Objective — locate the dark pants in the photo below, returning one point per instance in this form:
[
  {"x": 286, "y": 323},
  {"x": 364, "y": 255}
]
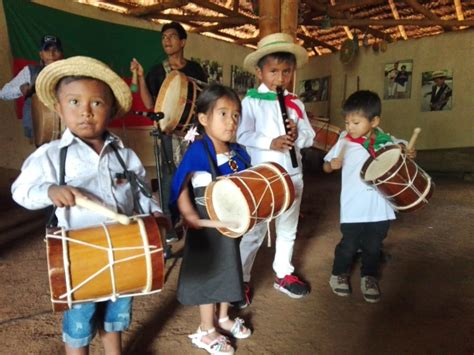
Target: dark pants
[{"x": 366, "y": 236}]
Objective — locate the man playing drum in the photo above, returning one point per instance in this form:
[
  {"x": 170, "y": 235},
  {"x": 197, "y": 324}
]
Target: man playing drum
[
  {"x": 365, "y": 213},
  {"x": 173, "y": 40}
]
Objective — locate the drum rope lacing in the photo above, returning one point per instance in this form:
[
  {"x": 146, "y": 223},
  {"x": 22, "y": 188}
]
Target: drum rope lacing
[
  {"x": 407, "y": 184},
  {"x": 279, "y": 176},
  {"x": 147, "y": 254}
]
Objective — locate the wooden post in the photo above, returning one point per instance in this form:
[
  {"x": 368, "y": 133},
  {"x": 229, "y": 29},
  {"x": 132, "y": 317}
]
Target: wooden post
[
  {"x": 289, "y": 16},
  {"x": 269, "y": 17}
]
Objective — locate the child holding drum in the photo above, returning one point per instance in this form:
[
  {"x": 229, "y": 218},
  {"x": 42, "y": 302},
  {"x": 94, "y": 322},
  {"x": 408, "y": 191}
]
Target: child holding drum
[
  {"x": 262, "y": 131},
  {"x": 86, "y": 94},
  {"x": 365, "y": 213},
  {"x": 211, "y": 272}
]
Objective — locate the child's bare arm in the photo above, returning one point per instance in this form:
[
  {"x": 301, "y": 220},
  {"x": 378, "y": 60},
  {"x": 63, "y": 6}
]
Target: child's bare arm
[
  {"x": 186, "y": 207},
  {"x": 144, "y": 93},
  {"x": 64, "y": 196}
]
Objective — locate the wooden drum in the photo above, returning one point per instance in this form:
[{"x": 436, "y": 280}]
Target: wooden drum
[
  {"x": 250, "y": 196},
  {"x": 326, "y": 134},
  {"x": 46, "y": 123},
  {"x": 104, "y": 262},
  {"x": 176, "y": 99},
  {"x": 406, "y": 186}
]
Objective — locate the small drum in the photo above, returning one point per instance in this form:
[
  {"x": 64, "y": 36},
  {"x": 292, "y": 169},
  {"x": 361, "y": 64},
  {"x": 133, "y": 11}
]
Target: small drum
[
  {"x": 46, "y": 123},
  {"x": 176, "y": 99},
  {"x": 250, "y": 196},
  {"x": 406, "y": 186},
  {"x": 326, "y": 134},
  {"x": 104, "y": 262}
]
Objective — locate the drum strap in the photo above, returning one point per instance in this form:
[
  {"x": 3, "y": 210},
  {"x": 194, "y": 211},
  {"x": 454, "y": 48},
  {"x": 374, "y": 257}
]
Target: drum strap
[
  {"x": 135, "y": 181},
  {"x": 166, "y": 66},
  {"x": 53, "y": 220},
  {"x": 213, "y": 164}
]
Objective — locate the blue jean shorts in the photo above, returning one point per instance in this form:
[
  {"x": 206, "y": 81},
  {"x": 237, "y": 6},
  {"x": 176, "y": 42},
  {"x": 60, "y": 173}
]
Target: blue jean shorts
[{"x": 81, "y": 322}]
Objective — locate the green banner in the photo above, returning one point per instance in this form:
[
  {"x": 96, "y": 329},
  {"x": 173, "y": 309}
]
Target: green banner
[{"x": 113, "y": 44}]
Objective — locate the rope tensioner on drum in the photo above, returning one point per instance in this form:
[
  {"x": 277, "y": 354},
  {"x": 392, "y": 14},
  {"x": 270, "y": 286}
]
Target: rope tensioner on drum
[{"x": 110, "y": 250}]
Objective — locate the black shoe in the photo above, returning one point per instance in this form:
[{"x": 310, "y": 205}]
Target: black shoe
[
  {"x": 245, "y": 302},
  {"x": 171, "y": 237}
]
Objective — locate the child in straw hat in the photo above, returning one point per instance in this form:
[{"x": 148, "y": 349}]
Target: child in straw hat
[
  {"x": 262, "y": 131},
  {"x": 86, "y": 94}
]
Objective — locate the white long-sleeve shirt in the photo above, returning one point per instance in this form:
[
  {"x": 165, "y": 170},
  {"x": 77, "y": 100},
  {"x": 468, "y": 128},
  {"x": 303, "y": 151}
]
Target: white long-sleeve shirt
[
  {"x": 11, "y": 90},
  {"x": 84, "y": 169},
  {"x": 262, "y": 122}
]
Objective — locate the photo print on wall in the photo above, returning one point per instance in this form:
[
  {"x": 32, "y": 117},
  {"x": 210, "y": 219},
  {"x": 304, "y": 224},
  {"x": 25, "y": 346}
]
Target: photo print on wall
[
  {"x": 397, "y": 80},
  {"x": 437, "y": 90},
  {"x": 314, "y": 90},
  {"x": 212, "y": 68},
  {"x": 241, "y": 80}
]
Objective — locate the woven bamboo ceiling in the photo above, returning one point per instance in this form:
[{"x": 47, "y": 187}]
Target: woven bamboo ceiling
[{"x": 323, "y": 25}]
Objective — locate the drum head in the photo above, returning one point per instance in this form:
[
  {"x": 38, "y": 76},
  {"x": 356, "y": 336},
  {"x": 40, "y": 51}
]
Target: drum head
[
  {"x": 385, "y": 160},
  {"x": 229, "y": 205},
  {"x": 171, "y": 100}
]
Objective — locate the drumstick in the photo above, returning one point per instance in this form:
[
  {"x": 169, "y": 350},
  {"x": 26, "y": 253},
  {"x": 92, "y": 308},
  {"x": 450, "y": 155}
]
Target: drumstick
[
  {"x": 413, "y": 138},
  {"x": 134, "y": 84},
  {"x": 94, "y": 206},
  {"x": 209, "y": 223}
]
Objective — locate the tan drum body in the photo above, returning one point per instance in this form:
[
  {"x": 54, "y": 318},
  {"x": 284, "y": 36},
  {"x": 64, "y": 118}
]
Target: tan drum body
[
  {"x": 326, "y": 134},
  {"x": 46, "y": 123},
  {"x": 402, "y": 182},
  {"x": 176, "y": 99},
  {"x": 71, "y": 262},
  {"x": 250, "y": 196}
]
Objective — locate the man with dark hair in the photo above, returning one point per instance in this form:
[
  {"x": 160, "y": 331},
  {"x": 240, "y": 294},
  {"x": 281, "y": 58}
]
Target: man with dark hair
[
  {"x": 23, "y": 84},
  {"x": 173, "y": 39}
]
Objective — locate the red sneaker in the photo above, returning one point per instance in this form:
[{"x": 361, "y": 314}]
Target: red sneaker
[{"x": 292, "y": 286}]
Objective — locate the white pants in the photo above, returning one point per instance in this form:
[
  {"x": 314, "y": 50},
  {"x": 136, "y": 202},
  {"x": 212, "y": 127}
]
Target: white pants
[{"x": 285, "y": 227}]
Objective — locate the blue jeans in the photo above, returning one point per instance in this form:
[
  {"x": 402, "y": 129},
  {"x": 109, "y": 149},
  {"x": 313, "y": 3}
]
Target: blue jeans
[
  {"x": 366, "y": 236},
  {"x": 81, "y": 322}
]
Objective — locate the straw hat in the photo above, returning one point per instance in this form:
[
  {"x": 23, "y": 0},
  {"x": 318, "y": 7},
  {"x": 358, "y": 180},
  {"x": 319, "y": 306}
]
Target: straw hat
[
  {"x": 49, "y": 77},
  {"x": 438, "y": 74},
  {"x": 276, "y": 42}
]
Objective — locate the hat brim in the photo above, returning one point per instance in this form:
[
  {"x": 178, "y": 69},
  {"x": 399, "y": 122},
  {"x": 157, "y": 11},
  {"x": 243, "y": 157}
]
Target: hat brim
[
  {"x": 251, "y": 60},
  {"x": 49, "y": 77}
]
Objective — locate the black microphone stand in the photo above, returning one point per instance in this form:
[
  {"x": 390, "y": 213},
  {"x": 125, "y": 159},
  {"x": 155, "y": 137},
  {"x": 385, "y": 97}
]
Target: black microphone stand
[{"x": 157, "y": 136}]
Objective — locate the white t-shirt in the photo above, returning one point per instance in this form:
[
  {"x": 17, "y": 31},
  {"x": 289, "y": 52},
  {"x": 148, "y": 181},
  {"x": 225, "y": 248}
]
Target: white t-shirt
[{"x": 359, "y": 201}]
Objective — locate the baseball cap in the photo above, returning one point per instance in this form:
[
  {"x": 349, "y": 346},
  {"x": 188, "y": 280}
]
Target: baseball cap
[{"x": 49, "y": 41}]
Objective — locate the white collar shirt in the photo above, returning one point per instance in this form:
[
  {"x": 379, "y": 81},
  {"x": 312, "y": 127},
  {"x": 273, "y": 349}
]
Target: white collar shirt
[
  {"x": 262, "y": 122},
  {"x": 94, "y": 174}
]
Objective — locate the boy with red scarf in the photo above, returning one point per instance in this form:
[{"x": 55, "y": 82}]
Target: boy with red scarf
[{"x": 365, "y": 214}]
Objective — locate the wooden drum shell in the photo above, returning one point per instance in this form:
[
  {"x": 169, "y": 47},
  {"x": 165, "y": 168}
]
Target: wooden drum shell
[
  {"x": 405, "y": 185},
  {"x": 267, "y": 190},
  {"x": 84, "y": 261}
]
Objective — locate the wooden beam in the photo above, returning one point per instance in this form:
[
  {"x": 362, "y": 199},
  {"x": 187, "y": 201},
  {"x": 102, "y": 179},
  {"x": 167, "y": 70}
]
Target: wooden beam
[
  {"x": 210, "y": 28},
  {"x": 391, "y": 23},
  {"x": 162, "y": 5},
  {"x": 311, "y": 42},
  {"x": 424, "y": 11},
  {"x": 333, "y": 13},
  {"x": 347, "y": 5},
  {"x": 214, "y": 7},
  {"x": 234, "y": 21},
  {"x": 289, "y": 17},
  {"x": 459, "y": 13},
  {"x": 269, "y": 17},
  {"x": 395, "y": 14}
]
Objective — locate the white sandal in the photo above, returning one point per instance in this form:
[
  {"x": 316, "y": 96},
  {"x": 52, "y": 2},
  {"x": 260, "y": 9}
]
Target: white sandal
[
  {"x": 215, "y": 346},
  {"x": 237, "y": 330}
]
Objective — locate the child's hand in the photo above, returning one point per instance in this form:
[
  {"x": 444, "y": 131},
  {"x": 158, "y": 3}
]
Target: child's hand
[
  {"x": 411, "y": 153},
  {"x": 64, "y": 196},
  {"x": 135, "y": 65},
  {"x": 26, "y": 89},
  {"x": 336, "y": 163},
  {"x": 282, "y": 143},
  {"x": 292, "y": 129}
]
